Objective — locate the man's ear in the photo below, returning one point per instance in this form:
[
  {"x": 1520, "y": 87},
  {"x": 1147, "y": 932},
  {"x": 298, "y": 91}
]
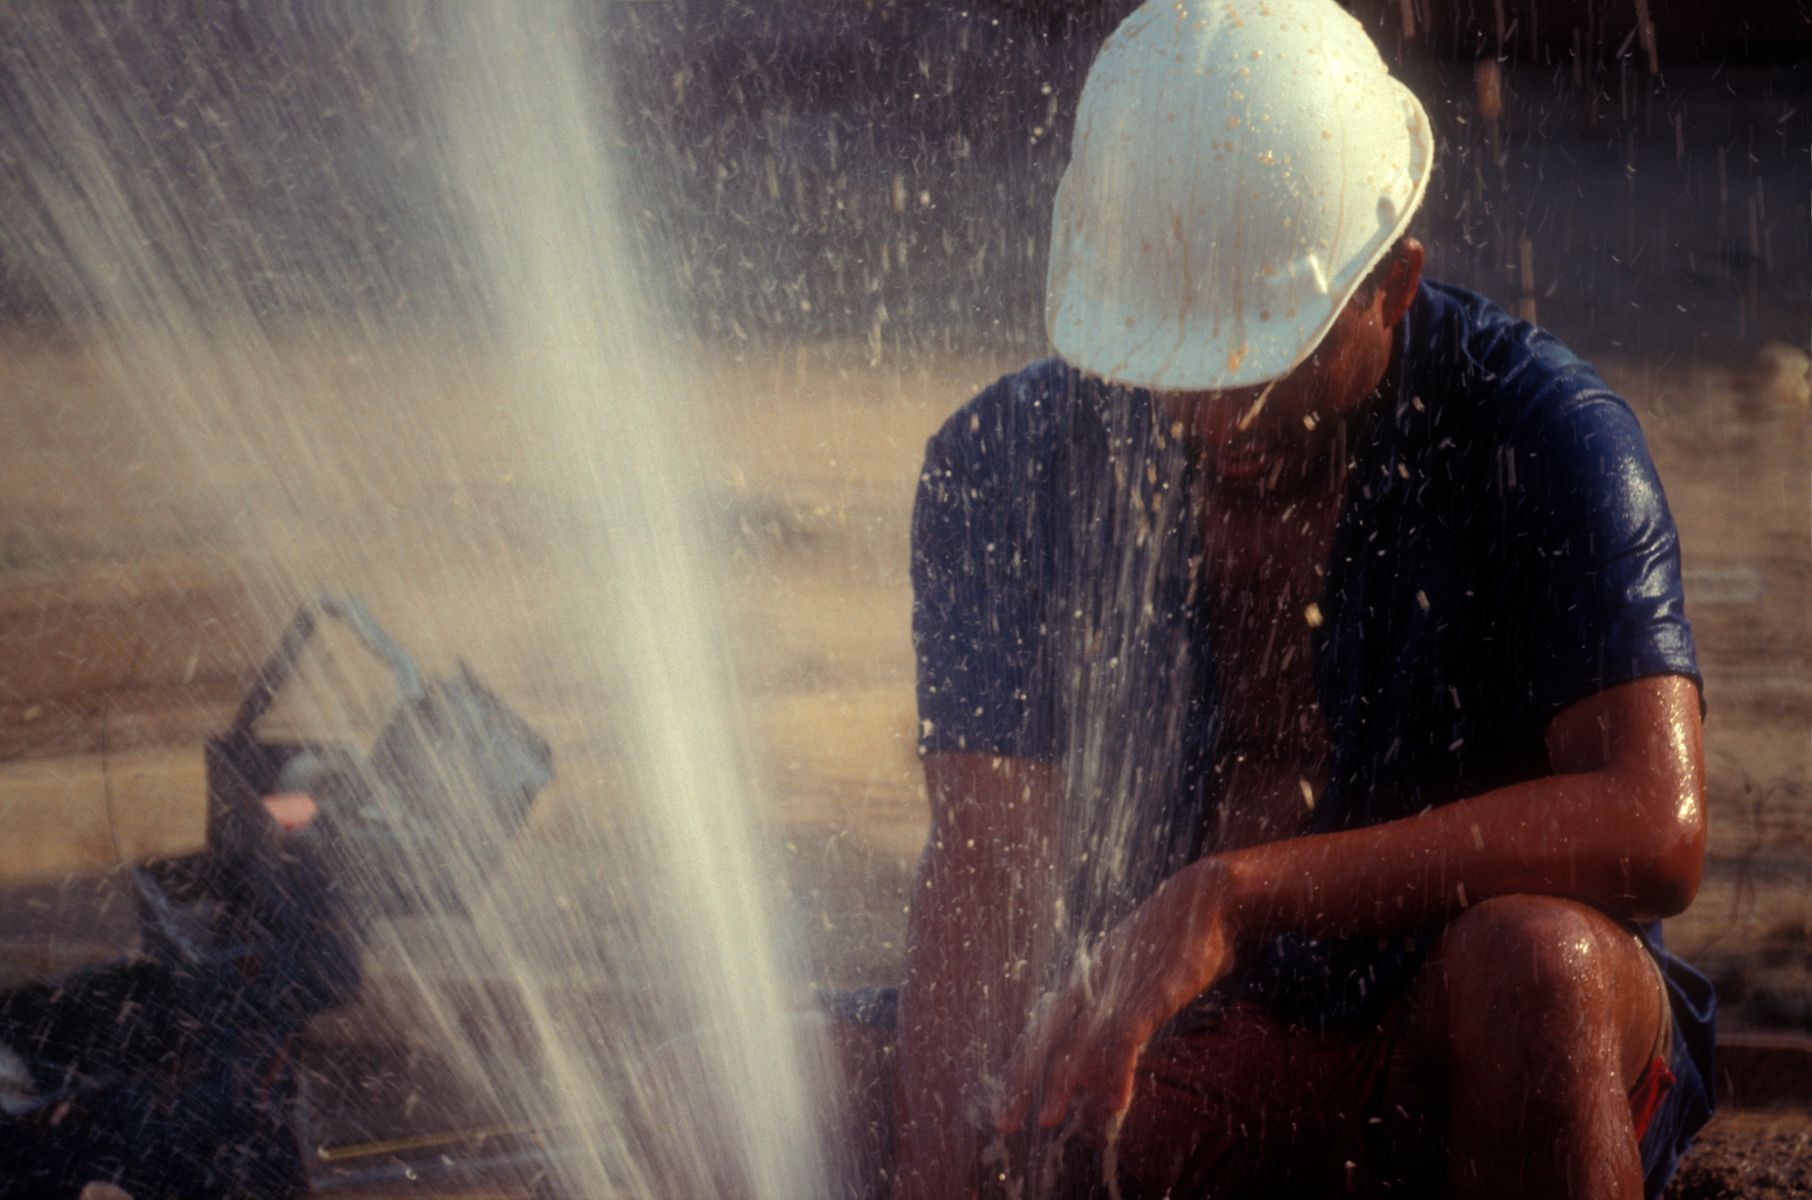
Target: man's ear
[{"x": 1400, "y": 283}]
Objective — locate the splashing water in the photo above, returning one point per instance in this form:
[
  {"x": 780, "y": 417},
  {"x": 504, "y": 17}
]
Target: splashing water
[{"x": 529, "y": 475}]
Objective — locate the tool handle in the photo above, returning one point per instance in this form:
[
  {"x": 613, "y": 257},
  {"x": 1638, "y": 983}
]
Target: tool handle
[{"x": 349, "y": 611}]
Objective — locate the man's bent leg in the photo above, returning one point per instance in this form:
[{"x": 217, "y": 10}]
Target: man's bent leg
[
  {"x": 1542, "y": 1015},
  {"x": 1249, "y": 1105}
]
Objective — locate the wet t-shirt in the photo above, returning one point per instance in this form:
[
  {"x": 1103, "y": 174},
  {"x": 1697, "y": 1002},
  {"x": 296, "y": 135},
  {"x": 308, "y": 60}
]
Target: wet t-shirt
[{"x": 1503, "y": 550}]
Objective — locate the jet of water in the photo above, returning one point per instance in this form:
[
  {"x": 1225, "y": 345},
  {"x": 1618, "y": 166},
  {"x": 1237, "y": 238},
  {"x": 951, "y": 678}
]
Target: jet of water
[{"x": 186, "y": 198}]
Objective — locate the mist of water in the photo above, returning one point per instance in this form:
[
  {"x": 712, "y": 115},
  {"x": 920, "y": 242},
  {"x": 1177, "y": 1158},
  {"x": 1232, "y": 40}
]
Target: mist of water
[{"x": 528, "y": 473}]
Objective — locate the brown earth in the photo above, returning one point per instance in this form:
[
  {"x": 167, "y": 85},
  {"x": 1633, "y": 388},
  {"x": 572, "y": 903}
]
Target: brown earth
[{"x": 1748, "y": 1156}]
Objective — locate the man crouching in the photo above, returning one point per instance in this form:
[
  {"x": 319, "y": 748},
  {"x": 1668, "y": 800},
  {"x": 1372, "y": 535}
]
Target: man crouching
[{"x": 1306, "y": 688}]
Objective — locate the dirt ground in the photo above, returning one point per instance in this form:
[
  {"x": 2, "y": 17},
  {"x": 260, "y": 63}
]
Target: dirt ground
[
  {"x": 135, "y": 600},
  {"x": 1739, "y": 1156},
  {"x": 1748, "y": 1155}
]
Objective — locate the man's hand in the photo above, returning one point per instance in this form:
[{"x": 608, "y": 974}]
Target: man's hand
[{"x": 1080, "y": 1052}]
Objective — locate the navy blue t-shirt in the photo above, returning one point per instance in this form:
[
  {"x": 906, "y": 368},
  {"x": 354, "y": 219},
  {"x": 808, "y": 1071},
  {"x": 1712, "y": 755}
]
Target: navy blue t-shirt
[{"x": 1503, "y": 550}]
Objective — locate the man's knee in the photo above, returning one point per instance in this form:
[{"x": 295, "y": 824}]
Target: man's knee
[{"x": 1516, "y": 964}]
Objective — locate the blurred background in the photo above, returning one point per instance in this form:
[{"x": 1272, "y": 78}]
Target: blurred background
[{"x": 842, "y": 209}]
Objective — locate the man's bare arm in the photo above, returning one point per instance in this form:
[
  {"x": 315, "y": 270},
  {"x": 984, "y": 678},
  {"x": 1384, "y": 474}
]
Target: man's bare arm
[
  {"x": 980, "y": 904},
  {"x": 1620, "y": 825}
]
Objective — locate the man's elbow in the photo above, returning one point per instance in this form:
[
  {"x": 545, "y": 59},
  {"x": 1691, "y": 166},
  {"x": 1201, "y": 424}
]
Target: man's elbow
[{"x": 1675, "y": 858}]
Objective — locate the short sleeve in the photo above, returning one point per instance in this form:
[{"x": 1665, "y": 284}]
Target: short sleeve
[
  {"x": 1594, "y": 556},
  {"x": 977, "y": 591}
]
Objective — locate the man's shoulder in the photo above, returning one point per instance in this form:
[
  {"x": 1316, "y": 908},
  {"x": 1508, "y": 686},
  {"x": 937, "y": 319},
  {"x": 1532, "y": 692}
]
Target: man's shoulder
[
  {"x": 1016, "y": 414},
  {"x": 1509, "y": 372}
]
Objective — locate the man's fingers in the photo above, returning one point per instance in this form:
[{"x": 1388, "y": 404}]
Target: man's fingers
[
  {"x": 1120, "y": 1093},
  {"x": 1067, "y": 1064},
  {"x": 1018, "y": 1098},
  {"x": 1059, "y": 1085},
  {"x": 1025, "y": 1070},
  {"x": 1064, "y": 1054},
  {"x": 1106, "y": 1092}
]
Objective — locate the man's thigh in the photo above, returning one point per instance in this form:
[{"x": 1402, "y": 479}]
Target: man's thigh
[{"x": 1248, "y": 1105}]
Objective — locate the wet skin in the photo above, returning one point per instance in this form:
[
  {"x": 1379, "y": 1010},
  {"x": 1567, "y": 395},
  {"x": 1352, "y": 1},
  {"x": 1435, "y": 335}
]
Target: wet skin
[{"x": 1535, "y": 1003}]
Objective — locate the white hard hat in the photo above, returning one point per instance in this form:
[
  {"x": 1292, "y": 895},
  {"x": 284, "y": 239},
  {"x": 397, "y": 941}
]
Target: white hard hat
[{"x": 1238, "y": 168}]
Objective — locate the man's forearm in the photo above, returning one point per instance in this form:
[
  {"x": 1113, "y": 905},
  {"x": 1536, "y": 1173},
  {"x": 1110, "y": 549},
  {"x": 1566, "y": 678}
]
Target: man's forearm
[
  {"x": 1620, "y": 826},
  {"x": 947, "y": 1039},
  {"x": 966, "y": 994},
  {"x": 1588, "y": 837},
  {"x": 980, "y": 906}
]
